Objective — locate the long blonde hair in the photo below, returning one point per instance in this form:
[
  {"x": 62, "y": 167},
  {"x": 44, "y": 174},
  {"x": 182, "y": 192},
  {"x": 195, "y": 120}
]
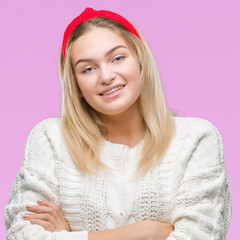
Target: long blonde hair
[{"x": 83, "y": 130}]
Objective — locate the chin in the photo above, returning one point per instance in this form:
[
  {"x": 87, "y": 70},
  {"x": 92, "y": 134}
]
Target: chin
[{"x": 112, "y": 112}]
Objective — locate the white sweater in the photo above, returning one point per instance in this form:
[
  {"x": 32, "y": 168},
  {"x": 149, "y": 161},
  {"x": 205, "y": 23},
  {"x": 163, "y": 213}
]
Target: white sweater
[{"x": 189, "y": 187}]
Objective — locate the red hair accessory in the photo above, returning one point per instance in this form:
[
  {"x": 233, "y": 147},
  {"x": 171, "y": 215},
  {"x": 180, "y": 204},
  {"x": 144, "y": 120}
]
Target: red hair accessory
[{"x": 89, "y": 13}]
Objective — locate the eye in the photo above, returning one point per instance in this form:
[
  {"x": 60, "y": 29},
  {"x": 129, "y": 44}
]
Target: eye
[
  {"x": 118, "y": 59},
  {"x": 88, "y": 70}
]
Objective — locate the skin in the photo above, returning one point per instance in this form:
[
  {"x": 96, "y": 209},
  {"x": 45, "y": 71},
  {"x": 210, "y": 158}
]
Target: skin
[
  {"x": 99, "y": 68},
  {"x": 47, "y": 215},
  {"x": 52, "y": 219}
]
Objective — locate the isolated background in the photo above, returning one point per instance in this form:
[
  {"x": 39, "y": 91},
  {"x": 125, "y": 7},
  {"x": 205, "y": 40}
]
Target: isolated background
[{"x": 196, "y": 45}]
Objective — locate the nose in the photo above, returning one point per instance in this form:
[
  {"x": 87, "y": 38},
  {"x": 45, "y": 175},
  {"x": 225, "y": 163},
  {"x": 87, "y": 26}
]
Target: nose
[{"x": 106, "y": 75}]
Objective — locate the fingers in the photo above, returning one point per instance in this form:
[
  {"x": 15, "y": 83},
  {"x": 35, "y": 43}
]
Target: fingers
[
  {"x": 45, "y": 224},
  {"x": 47, "y": 203},
  {"x": 47, "y": 215},
  {"x": 38, "y": 209},
  {"x": 46, "y": 220},
  {"x": 41, "y": 210},
  {"x": 44, "y": 217},
  {"x": 47, "y": 206}
]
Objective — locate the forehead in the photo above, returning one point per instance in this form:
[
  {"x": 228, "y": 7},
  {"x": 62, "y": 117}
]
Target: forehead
[{"x": 96, "y": 41}]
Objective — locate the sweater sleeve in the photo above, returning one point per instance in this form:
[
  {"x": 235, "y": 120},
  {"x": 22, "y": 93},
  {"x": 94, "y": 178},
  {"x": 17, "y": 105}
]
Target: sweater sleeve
[
  {"x": 37, "y": 179},
  {"x": 203, "y": 204}
]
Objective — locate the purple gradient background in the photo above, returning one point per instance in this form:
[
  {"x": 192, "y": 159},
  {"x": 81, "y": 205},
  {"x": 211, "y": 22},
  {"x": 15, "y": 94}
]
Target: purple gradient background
[{"x": 196, "y": 45}]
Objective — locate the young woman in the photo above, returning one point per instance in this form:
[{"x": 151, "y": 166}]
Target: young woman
[{"x": 117, "y": 164}]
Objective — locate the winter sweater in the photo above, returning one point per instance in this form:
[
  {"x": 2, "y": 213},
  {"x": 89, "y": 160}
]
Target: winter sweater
[{"x": 188, "y": 188}]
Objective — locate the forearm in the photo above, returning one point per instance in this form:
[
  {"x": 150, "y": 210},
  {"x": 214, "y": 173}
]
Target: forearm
[
  {"x": 144, "y": 230},
  {"x": 128, "y": 232}
]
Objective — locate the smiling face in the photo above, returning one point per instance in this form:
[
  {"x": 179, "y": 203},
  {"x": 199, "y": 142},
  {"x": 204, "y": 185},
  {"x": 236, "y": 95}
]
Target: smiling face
[{"x": 107, "y": 72}]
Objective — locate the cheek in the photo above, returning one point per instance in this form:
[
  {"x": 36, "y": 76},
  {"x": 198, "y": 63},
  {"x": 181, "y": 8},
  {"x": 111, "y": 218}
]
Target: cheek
[
  {"x": 85, "y": 92},
  {"x": 88, "y": 91},
  {"x": 134, "y": 75},
  {"x": 84, "y": 85},
  {"x": 133, "y": 69}
]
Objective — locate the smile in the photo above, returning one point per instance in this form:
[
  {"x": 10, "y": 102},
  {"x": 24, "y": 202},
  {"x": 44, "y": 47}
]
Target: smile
[{"x": 113, "y": 90}]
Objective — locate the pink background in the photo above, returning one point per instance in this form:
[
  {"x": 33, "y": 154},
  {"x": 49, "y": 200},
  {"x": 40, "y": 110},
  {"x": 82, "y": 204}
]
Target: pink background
[{"x": 196, "y": 45}]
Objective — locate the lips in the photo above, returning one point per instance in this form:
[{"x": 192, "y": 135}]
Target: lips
[{"x": 111, "y": 90}]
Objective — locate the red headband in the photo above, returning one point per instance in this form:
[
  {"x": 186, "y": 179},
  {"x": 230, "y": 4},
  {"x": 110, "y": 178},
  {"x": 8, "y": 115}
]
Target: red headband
[{"x": 91, "y": 13}]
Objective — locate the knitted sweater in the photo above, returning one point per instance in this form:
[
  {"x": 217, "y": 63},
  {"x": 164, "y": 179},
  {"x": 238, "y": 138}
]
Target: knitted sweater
[{"x": 188, "y": 188}]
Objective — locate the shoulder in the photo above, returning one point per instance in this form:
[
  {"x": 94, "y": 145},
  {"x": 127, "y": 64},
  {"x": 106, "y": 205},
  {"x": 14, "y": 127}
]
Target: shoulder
[
  {"x": 195, "y": 127},
  {"x": 203, "y": 137},
  {"x": 44, "y": 138},
  {"x": 49, "y": 124},
  {"x": 49, "y": 128}
]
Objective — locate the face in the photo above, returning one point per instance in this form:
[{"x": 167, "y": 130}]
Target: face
[{"x": 106, "y": 71}]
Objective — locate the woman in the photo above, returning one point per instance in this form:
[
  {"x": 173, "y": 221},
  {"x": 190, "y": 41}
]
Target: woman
[{"x": 117, "y": 164}]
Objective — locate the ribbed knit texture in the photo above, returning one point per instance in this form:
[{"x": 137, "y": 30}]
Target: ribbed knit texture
[{"x": 189, "y": 187}]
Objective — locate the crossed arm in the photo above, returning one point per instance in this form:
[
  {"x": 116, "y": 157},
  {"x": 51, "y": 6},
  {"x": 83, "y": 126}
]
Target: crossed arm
[
  {"x": 42, "y": 220},
  {"x": 50, "y": 217},
  {"x": 202, "y": 211}
]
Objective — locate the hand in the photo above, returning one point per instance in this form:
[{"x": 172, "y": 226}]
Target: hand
[
  {"x": 155, "y": 230},
  {"x": 48, "y": 216}
]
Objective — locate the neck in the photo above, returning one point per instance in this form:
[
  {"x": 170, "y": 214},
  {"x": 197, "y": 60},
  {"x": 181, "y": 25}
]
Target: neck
[{"x": 127, "y": 128}]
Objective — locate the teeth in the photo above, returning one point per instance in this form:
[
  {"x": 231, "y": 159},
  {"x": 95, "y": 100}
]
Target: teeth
[{"x": 112, "y": 90}]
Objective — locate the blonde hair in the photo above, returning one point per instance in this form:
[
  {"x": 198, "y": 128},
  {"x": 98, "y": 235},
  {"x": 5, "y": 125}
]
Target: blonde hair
[{"x": 83, "y": 130}]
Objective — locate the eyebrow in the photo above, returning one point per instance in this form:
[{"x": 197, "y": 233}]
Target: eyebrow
[{"x": 105, "y": 55}]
